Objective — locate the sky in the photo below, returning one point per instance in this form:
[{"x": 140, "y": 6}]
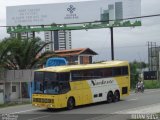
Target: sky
[{"x": 129, "y": 43}]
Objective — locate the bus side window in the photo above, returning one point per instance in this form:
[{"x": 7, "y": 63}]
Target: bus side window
[
  {"x": 77, "y": 75},
  {"x": 88, "y": 74},
  {"x": 117, "y": 71},
  {"x": 107, "y": 72},
  {"x": 125, "y": 70},
  {"x": 63, "y": 76},
  {"x": 97, "y": 73}
]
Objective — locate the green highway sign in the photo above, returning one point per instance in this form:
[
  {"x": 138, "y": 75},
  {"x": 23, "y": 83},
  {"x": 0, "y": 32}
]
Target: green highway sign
[{"x": 54, "y": 27}]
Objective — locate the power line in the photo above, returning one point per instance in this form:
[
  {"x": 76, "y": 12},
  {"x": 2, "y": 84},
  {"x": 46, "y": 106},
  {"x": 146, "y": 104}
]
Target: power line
[
  {"x": 136, "y": 46},
  {"x": 131, "y": 46},
  {"x": 130, "y": 18}
]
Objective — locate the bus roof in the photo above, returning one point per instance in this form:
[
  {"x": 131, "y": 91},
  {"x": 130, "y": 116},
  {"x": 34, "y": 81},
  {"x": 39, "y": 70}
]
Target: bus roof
[{"x": 69, "y": 68}]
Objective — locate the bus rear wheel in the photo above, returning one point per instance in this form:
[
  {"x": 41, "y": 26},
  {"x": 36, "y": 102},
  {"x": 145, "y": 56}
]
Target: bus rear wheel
[
  {"x": 109, "y": 97},
  {"x": 116, "y": 96},
  {"x": 70, "y": 103}
]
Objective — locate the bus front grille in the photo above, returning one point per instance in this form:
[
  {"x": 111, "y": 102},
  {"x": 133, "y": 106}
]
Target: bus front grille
[{"x": 43, "y": 100}]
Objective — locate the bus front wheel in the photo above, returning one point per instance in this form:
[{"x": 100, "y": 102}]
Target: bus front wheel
[{"x": 70, "y": 103}]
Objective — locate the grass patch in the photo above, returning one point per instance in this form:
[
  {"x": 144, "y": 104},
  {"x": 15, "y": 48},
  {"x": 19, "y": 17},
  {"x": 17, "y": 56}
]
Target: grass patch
[{"x": 151, "y": 84}]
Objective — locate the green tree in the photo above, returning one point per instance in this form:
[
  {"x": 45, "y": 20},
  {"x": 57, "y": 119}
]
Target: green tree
[
  {"x": 16, "y": 53},
  {"x": 139, "y": 65},
  {"x": 134, "y": 74},
  {"x": 134, "y": 66}
]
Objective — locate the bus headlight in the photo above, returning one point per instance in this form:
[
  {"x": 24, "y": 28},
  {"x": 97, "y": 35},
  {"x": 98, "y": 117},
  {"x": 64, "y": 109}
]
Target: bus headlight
[
  {"x": 35, "y": 104},
  {"x": 50, "y": 105}
]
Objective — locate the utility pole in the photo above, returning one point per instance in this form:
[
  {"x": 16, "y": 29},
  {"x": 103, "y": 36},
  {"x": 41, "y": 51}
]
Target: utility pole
[
  {"x": 157, "y": 60},
  {"x": 148, "y": 57},
  {"x": 151, "y": 57}
]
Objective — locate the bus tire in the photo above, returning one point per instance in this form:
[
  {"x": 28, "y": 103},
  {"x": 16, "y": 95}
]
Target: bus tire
[
  {"x": 109, "y": 97},
  {"x": 116, "y": 96},
  {"x": 70, "y": 103},
  {"x": 51, "y": 109}
]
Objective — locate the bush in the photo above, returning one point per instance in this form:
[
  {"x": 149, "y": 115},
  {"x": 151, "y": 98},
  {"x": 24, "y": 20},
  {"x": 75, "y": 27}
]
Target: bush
[{"x": 151, "y": 84}]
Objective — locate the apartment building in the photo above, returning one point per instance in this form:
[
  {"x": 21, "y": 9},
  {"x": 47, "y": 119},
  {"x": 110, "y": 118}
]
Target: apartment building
[
  {"x": 23, "y": 35},
  {"x": 61, "y": 40}
]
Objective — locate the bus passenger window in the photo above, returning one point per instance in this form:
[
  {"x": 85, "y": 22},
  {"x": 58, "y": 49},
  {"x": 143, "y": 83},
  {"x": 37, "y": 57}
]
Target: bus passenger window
[
  {"x": 117, "y": 71},
  {"x": 63, "y": 76},
  {"x": 107, "y": 72},
  {"x": 77, "y": 75},
  {"x": 125, "y": 70}
]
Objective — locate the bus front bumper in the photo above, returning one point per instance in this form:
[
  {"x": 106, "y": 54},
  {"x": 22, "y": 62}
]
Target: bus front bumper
[
  {"x": 43, "y": 101},
  {"x": 43, "y": 105}
]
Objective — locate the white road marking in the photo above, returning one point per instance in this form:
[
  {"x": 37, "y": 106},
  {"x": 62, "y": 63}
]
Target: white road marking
[
  {"x": 132, "y": 99},
  {"x": 39, "y": 117},
  {"x": 26, "y": 111},
  {"x": 146, "y": 107}
]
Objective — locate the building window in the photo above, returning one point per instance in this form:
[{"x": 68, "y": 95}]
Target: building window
[{"x": 13, "y": 88}]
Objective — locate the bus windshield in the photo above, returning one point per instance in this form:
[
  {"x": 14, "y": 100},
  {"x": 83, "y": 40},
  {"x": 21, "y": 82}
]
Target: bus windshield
[{"x": 51, "y": 83}]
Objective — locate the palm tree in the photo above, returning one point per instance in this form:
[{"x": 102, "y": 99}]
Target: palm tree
[{"x": 16, "y": 53}]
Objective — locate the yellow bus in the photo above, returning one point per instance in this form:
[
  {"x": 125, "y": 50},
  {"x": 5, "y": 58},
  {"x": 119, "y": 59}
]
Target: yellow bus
[{"x": 73, "y": 85}]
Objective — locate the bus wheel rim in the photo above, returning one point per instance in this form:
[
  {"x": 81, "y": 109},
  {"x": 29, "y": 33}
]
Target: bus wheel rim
[
  {"x": 116, "y": 97},
  {"x": 70, "y": 104},
  {"x": 109, "y": 98}
]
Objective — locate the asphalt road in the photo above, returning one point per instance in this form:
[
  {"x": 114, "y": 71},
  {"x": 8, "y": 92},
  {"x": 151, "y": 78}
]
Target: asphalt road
[{"x": 99, "y": 111}]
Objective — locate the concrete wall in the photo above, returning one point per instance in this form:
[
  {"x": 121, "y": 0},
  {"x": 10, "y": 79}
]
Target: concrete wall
[
  {"x": 16, "y": 94},
  {"x": 9, "y": 94},
  {"x": 17, "y": 75},
  {"x": 7, "y": 91},
  {"x": 1, "y": 86},
  {"x": 11, "y": 78},
  {"x": 1, "y": 98}
]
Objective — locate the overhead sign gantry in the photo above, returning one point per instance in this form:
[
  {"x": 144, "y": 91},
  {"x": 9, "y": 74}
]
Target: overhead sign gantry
[{"x": 74, "y": 16}]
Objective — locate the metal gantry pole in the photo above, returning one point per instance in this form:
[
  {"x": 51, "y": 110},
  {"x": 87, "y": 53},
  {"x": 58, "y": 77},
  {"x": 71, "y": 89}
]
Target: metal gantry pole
[
  {"x": 52, "y": 41},
  {"x": 33, "y": 34},
  {"x": 112, "y": 43}
]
